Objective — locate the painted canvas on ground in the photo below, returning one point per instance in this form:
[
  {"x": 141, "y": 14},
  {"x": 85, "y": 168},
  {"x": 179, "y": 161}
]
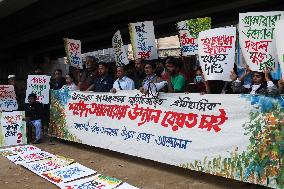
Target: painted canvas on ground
[
  {"x": 256, "y": 36},
  {"x": 39, "y": 85},
  {"x": 38, "y": 167},
  {"x": 142, "y": 38},
  {"x": 96, "y": 182},
  {"x": 35, "y": 156},
  {"x": 217, "y": 53},
  {"x": 68, "y": 173},
  {"x": 13, "y": 128},
  {"x": 188, "y": 34},
  {"x": 8, "y": 100},
  {"x": 126, "y": 186},
  {"x": 234, "y": 136}
]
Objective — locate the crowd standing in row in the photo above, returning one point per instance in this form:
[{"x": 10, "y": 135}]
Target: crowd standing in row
[{"x": 177, "y": 75}]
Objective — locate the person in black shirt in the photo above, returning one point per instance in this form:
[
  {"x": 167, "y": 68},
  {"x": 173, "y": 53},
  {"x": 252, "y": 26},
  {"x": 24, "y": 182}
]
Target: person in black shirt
[
  {"x": 104, "y": 82},
  {"x": 58, "y": 80},
  {"x": 34, "y": 115}
]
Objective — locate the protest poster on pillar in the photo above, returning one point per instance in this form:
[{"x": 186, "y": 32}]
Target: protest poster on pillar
[
  {"x": 256, "y": 36},
  {"x": 188, "y": 34},
  {"x": 120, "y": 54},
  {"x": 73, "y": 52},
  {"x": 178, "y": 129},
  {"x": 143, "y": 40},
  {"x": 39, "y": 85},
  {"x": 217, "y": 53},
  {"x": 13, "y": 128},
  {"x": 279, "y": 38},
  {"x": 8, "y": 100}
]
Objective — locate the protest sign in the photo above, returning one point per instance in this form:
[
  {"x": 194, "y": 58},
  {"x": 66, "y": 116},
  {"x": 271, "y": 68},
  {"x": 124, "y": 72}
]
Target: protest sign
[
  {"x": 188, "y": 34},
  {"x": 73, "y": 52},
  {"x": 39, "y": 85},
  {"x": 217, "y": 53},
  {"x": 143, "y": 40},
  {"x": 8, "y": 100},
  {"x": 279, "y": 38},
  {"x": 256, "y": 36},
  {"x": 121, "y": 57}
]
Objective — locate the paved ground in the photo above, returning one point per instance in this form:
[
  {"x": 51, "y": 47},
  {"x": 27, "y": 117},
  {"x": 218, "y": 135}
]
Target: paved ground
[{"x": 144, "y": 174}]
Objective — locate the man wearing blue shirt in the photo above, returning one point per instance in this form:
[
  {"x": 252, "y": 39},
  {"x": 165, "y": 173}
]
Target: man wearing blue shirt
[{"x": 104, "y": 82}]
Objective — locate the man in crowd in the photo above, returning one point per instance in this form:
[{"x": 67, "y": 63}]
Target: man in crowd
[
  {"x": 104, "y": 81},
  {"x": 88, "y": 77},
  {"x": 34, "y": 115},
  {"x": 58, "y": 81},
  {"x": 20, "y": 91},
  {"x": 176, "y": 82},
  {"x": 139, "y": 73},
  {"x": 123, "y": 82}
]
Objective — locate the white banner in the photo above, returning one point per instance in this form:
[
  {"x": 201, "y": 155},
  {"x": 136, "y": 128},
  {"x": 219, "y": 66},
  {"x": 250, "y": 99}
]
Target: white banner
[
  {"x": 143, "y": 40},
  {"x": 279, "y": 38},
  {"x": 73, "y": 52},
  {"x": 121, "y": 57},
  {"x": 256, "y": 36},
  {"x": 39, "y": 85},
  {"x": 217, "y": 53},
  {"x": 12, "y": 128}
]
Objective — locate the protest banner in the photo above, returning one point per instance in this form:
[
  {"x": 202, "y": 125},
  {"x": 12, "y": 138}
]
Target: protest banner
[
  {"x": 178, "y": 129},
  {"x": 126, "y": 186},
  {"x": 39, "y": 85},
  {"x": 120, "y": 54},
  {"x": 143, "y": 40},
  {"x": 73, "y": 52},
  {"x": 256, "y": 35},
  {"x": 188, "y": 34},
  {"x": 279, "y": 37},
  {"x": 8, "y": 100},
  {"x": 12, "y": 128},
  {"x": 68, "y": 173},
  {"x": 217, "y": 53},
  {"x": 96, "y": 182}
]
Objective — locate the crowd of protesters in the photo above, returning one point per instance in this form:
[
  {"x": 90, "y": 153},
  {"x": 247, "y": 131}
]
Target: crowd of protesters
[{"x": 172, "y": 75}]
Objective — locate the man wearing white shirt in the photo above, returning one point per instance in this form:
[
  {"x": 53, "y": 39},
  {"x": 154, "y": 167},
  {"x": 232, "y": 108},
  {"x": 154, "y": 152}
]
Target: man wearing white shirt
[{"x": 123, "y": 82}]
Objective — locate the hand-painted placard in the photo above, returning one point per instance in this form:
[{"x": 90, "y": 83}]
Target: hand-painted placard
[
  {"x": 96, "y": 182},
  {"x": 256, "y": 35},
  {"x": 120, "y": 54},
  {"x": 8, "y": 100},
  {"x": 35, "y": 156},
  {"x": 178, "y": 129},
  {"x": 279, "y": 38},
  {"x": 188, "y": 34},
  {"x": 38, "y": 84},
  {"x": 13, "y": 128},
  {"x": 38, "y": 167},
  {"x": 143, "y": 40},
  {"x": 217, "y": 52},
  {"x": 68, "y": 173},
  {"x": 126, "y": 186},
  {"x": 73, "y": 52}
]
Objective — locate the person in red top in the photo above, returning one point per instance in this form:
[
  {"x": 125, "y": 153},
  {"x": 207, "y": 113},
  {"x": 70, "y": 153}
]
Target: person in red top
[
  {"x": 88, "y": 77},
  {"x": 199, "y": 85}
]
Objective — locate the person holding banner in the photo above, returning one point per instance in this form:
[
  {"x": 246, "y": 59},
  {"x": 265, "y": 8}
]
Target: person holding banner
[
  {"x": 88, "y": 77},
  {"x": 261, "y": 83},
  {"x": 139, "y": 73},
  {"x": 200, "y": 85},
  {"x": 34, "y": 115},
  {"x": 176, "y": 83},
  {"x": 123, "y": 82},
  {"x": 104, "y": 82},
  {"x": 58, "y": 81},
  {"x": 151, "y": 77}
]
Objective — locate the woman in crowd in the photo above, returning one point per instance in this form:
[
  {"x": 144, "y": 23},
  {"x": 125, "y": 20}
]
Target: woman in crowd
[
  {"x": 70, "y": 85},
  {"x": 199, "y": 85}
]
